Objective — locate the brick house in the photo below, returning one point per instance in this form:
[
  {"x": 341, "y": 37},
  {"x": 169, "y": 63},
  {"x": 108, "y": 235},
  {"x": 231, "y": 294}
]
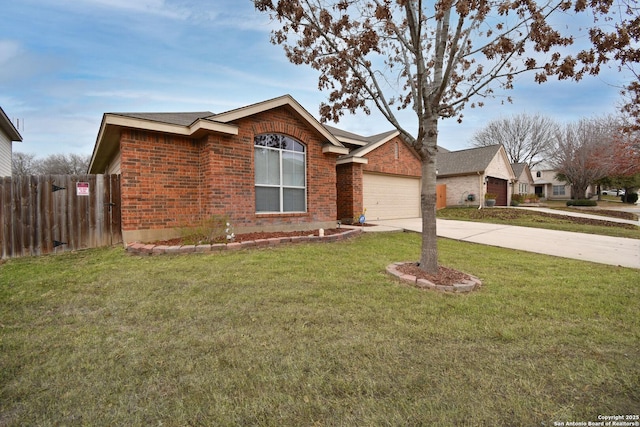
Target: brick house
[
  {"x": 548, "y": 186},
  {"x": 268, "y": 166},
  {"x": 470, "y": 174},
  {"x": 272, "y": 166},
  {"x": 381, "y": 174},
  {"x": 524, "y": 179}
]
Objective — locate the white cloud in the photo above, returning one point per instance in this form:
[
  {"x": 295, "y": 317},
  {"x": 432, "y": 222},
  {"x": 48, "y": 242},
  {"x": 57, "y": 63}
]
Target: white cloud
[
  {"x": 9, "y": 49},
  {"x": 151, "y": 7}
]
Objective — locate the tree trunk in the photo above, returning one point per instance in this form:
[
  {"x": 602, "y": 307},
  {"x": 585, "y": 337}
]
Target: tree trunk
[
  {"x": 429, "y": 253},
  {"x": 579, "y": 191}
]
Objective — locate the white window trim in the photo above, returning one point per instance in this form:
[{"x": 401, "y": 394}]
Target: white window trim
[{"x": 281, "y": 186}]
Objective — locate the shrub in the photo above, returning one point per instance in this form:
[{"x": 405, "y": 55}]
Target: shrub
[
  {"x": 490, "y": 196},
  {"x": 581, "y": 202},
  {"x": 629, "y": 198},
  {"x": 517, "y": 198},
  {"x": 215, "y": 229}
]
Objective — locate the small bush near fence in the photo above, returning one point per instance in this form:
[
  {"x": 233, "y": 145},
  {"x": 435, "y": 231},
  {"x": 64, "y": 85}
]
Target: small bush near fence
[{"x": 582, "y": 202}]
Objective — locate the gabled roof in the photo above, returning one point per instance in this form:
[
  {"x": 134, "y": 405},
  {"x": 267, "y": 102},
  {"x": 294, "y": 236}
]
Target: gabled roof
[
  {"x": 194, "y": 124},
  {"x": 463, "y": 162},
  {"x": 355, "y": 139},
  {"x": 376, "y": 141},
  {"x": 8, "y": 128},
  {"x": 180, "y": 119},
  {"x": 287, "y": 100},
  {"x": 518, "y": 168}
]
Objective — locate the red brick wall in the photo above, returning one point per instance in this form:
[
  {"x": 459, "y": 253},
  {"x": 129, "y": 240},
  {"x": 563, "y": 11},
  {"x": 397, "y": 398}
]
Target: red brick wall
[
  {"x": 170, "y": 181},
  {"x": 160, "y": 180},
  {"x": 383, "y": 159},
  {"x": 349, "y": 178}
]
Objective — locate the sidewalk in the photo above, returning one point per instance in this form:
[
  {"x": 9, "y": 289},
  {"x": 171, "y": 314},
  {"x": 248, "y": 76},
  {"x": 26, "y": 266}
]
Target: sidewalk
[{"x": 586, "y": 247}]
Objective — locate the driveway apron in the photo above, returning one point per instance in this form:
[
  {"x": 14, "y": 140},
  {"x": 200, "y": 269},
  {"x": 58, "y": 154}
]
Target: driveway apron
[{"x": 586, "y": 247}]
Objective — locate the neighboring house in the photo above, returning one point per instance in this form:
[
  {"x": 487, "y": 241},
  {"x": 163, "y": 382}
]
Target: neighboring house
[
  {"x": 524, "y": 183},
  {"x": 267, "y": 166},
  {"x": 380, "y": 177},
  {"x": 470, "y": 174},
  {"x": 8, "y": 134},
  {"x": 549, "y": 187}
]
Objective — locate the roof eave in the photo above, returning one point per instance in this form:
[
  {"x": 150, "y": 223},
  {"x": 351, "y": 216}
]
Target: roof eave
[
  {"x": 332, "y": 149},
  {"x": 456, "y": 174},
  {"x": 202, "y": 125},
  {"x": 8, "y": 127},
  {"x": 349, "y": 160},
  {"x": 352, "y": 141}
]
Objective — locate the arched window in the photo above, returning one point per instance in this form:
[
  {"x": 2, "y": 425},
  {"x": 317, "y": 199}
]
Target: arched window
[{"x": 280, "y": 174}]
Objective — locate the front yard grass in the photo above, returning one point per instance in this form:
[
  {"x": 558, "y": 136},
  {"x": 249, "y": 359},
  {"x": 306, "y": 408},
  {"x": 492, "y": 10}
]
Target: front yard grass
[
  {"x": 527, "y": 218},
  {"x": 315, "y": 334}
]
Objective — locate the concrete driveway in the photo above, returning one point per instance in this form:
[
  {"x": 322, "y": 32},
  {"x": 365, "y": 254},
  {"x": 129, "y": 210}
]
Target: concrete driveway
[{"x": 586, "y": 247}]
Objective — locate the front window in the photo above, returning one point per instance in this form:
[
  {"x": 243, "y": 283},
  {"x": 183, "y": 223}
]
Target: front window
[
  {"x": 558, "y": 190},
  {"x": 280, "y": 171}
]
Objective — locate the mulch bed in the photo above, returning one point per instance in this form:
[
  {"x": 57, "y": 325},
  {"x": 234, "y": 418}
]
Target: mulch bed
[
  {"x": 446, "y": 276},
  {"x": 245, "y": 237}
]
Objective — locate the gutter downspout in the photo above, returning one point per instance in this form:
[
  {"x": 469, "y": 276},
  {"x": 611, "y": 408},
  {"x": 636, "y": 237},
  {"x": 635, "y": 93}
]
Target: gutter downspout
[{"x": 482, "y": 192}]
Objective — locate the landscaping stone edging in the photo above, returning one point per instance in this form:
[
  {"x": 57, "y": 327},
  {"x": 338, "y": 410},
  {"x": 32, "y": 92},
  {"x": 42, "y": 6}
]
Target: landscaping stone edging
[
  {"x": 137, "y": 248},
  {"x": 464, "y": 287}
]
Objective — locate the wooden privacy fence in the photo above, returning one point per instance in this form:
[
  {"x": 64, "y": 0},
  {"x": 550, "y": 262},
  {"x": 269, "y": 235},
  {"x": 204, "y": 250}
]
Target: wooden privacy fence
[{"x": 56, "y": 213}]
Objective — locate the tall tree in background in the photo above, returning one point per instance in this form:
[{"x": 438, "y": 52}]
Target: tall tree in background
[
  {"x": 433, "y": 57},
  {"x": 625, "y": 153},
  {"x": 24, "y": 164},
  {"x": 583, "y": 153},
  {"x": 53, "y": 164},
  {"x": 526, "y": 138},
  {"x": 64, "y": 164}
]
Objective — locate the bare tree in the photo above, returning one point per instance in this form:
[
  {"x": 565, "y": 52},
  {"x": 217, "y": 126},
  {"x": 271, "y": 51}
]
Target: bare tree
[
  {"x": 625, "y": 153},
  {"x": 526, "y": 138},
  {"x": 23, "y": 164},
  {"x": 64, "y": 164},
  {"x": 584, "y": 153},
  {"x": 433, "y": 57},
  {"x": 53, "y": 164}
]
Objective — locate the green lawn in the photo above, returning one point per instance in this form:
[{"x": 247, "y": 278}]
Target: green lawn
[
  {"x": 315, "y": 334},
  {"x": 527, "y": 218}
]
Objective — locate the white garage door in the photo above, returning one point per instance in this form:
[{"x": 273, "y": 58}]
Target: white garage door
[{"x": 390, "y": 197}]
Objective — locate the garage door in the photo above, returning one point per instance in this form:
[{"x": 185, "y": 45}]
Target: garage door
[
  {"x": 390, "y": 197},
  {"x": 499, "y": 187}
]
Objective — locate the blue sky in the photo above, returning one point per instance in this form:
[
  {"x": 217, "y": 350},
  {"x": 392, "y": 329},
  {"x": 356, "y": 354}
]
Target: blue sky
[{"x": 63, "y": 63}]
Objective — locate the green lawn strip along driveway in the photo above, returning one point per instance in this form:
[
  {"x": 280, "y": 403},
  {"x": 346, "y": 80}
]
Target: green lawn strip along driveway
[{"x": 526, "y": 218}]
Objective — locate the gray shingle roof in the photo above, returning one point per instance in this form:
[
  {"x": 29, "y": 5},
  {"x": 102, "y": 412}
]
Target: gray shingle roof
[
  {"x": 467, "y": 161},
  {"x": 182, "y": 119},
  {"x": 518, "y": 168},
  {"x": 339, "y": 133}
]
